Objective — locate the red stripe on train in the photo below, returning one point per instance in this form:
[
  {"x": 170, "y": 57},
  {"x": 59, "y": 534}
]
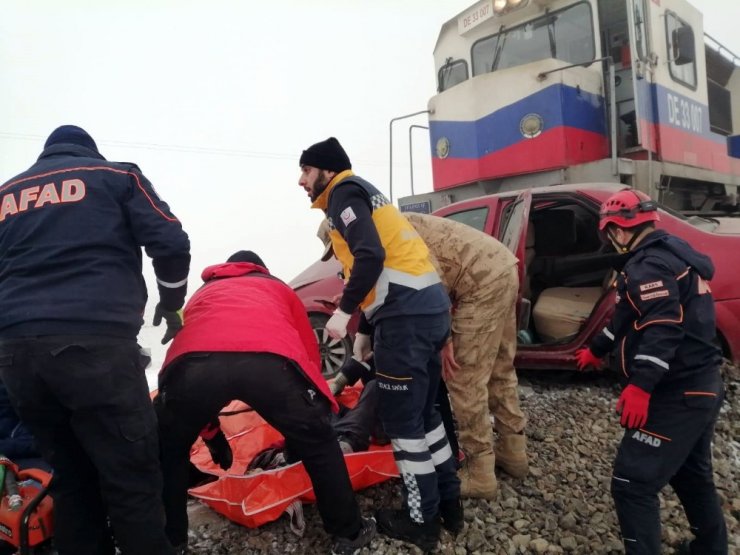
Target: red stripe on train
[
  {"x": 555, "y": 148},
  {"x": 684, "y": 147}
]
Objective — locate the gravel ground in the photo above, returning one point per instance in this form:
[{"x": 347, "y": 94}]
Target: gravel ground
[{"x": 563, "y": 506}]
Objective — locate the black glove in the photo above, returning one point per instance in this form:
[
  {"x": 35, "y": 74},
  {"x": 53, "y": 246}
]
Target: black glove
[
  {"x": 267, "y": 459},
  {"x": 173, "y": 318},
  {"x": 349, "y": 374},
  {"x": 354, "y": 369},
  {"x": 220, "y": 450}
]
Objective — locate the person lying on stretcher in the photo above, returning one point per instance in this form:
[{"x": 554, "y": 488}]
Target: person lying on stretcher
[{"x": 356, "y": 427}]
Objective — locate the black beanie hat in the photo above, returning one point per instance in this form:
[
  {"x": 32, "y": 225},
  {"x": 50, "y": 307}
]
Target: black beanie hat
[
  {"x": 326, "y": 155},
  {"x": 71, "y": 134},
  {"x": 246, "y": 256}
]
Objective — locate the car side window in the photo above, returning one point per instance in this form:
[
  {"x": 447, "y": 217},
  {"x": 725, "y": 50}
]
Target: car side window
[{"x": 475, "y": 218}]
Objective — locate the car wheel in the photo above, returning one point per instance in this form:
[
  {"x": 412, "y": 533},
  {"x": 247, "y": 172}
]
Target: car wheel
[{"x": 334, "y": 352}]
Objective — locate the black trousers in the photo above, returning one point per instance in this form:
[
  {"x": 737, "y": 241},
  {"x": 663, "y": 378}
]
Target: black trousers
[
  {"x": 674, "y": 447},
  {"x": 86, "y": 401},
  {"x": 408, "y": 371},
  {"x": 198, "y": 386},
  {"x": 442, "y": 404},
  {"x": 356, "y": 425}
]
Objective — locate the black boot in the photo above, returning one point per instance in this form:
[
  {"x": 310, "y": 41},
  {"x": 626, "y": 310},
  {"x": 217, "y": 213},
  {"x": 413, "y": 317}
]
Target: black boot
[
  {"x": 453, "y": 515},
  {"x": 350, "y": 546},
  {"x": 398, "y": 524}
]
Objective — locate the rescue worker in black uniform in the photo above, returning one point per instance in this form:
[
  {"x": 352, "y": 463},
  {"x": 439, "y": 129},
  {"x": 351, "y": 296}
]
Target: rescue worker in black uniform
[
  {"x": 72, "y": 297},
  {"x": 391, "y": 278},
  {"x": 663, "y": 337}
]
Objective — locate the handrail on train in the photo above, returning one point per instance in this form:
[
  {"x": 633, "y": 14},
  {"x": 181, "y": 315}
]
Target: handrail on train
[{"x": 720, "y": 48}]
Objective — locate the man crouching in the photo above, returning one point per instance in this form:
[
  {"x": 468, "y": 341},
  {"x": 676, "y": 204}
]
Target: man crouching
[{"x": 246, "y": 336}]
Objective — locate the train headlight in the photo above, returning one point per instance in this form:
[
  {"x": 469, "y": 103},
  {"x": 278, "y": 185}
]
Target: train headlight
[
  {"x": 503, "y": 6},
  {"x": 531, "y": 125}
]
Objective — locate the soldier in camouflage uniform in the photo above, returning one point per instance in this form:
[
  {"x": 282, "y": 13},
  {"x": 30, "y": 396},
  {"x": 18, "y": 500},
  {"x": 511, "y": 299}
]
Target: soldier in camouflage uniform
[{"x": 481, "y": 277}]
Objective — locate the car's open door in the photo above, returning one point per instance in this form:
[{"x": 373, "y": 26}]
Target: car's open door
[{"x": 513, "y": 234}]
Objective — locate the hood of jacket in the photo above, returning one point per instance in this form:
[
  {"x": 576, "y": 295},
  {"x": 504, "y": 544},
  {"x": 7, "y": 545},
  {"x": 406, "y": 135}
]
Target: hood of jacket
[
  {"x": 681, "y": 249},
  {"x": 231, "y": 269},
  {"x": 69, "y": 149}
]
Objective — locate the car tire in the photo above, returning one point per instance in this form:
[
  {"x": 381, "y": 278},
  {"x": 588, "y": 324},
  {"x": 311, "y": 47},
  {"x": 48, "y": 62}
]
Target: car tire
[{"x": 334, "y": 352}]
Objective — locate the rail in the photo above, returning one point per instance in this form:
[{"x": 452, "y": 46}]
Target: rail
[
  {"x": 390, "y": 133},
  {"x": 411, "y": 153}
]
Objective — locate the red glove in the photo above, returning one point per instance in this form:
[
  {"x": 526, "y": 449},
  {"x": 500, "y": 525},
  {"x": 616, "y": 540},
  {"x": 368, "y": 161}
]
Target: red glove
[
  {"x": 584, "y": 358},
  {"x": 633, "y": 406}
]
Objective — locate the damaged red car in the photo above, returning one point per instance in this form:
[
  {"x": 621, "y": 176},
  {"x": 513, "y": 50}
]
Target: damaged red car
[{"x": 565, "y": 294}]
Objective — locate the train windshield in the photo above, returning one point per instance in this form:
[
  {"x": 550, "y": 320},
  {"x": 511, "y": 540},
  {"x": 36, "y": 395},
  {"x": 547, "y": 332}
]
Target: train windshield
[{"x": 565, "y": 34}]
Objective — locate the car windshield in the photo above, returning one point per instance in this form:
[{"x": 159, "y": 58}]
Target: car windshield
[{"x": 703, "y": 223}]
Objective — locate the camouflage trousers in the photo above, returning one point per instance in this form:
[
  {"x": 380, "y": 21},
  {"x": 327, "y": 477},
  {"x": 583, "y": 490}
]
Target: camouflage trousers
[{"x": 484, "y": 340}]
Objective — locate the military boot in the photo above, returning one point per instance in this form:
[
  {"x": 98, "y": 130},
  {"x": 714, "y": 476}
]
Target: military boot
[
  {"x": 511, "y": 454},
  {"x": 477, "y": 478}
]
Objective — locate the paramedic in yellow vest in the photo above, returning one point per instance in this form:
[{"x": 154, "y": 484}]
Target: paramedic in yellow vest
[
  {"x": 481, "y": 277},
  {"x": 391, "y": 278}
]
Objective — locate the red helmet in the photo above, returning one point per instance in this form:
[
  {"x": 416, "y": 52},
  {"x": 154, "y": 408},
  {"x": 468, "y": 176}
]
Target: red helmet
[{"x": 628, "y": 208}]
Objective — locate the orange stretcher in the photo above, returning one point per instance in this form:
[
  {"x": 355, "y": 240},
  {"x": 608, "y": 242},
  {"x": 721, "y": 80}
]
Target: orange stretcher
[{"x": 258, "y": 498}]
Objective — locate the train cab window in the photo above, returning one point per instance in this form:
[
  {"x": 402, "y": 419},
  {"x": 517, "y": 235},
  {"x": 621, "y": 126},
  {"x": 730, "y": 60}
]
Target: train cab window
[
  {"x": 681, "y": 50},
  {"x": 451, "y": 74},
  {"x": 565, "y": 34},
  {"x": 475, "y": 218},
  {"x": 640, "y": 31}
]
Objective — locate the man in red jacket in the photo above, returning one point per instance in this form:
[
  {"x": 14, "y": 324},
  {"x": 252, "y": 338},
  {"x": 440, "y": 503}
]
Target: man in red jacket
[{"x": 246, "y": 336}]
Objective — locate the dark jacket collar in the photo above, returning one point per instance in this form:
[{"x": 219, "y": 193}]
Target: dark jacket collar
[
  {"x": 679, "y": 248},
  {"x": 70, "y": 149}
]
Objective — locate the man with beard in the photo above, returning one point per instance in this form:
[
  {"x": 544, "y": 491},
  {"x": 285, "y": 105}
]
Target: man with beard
[{"x": 391, "y": 279}]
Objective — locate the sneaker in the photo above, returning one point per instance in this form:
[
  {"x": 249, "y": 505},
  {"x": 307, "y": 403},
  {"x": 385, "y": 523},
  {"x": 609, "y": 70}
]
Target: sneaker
[
  {"x": 346, "y": 546},
  {"x": 397, "y": 524},
  {"x": 453, "y": 515}
]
